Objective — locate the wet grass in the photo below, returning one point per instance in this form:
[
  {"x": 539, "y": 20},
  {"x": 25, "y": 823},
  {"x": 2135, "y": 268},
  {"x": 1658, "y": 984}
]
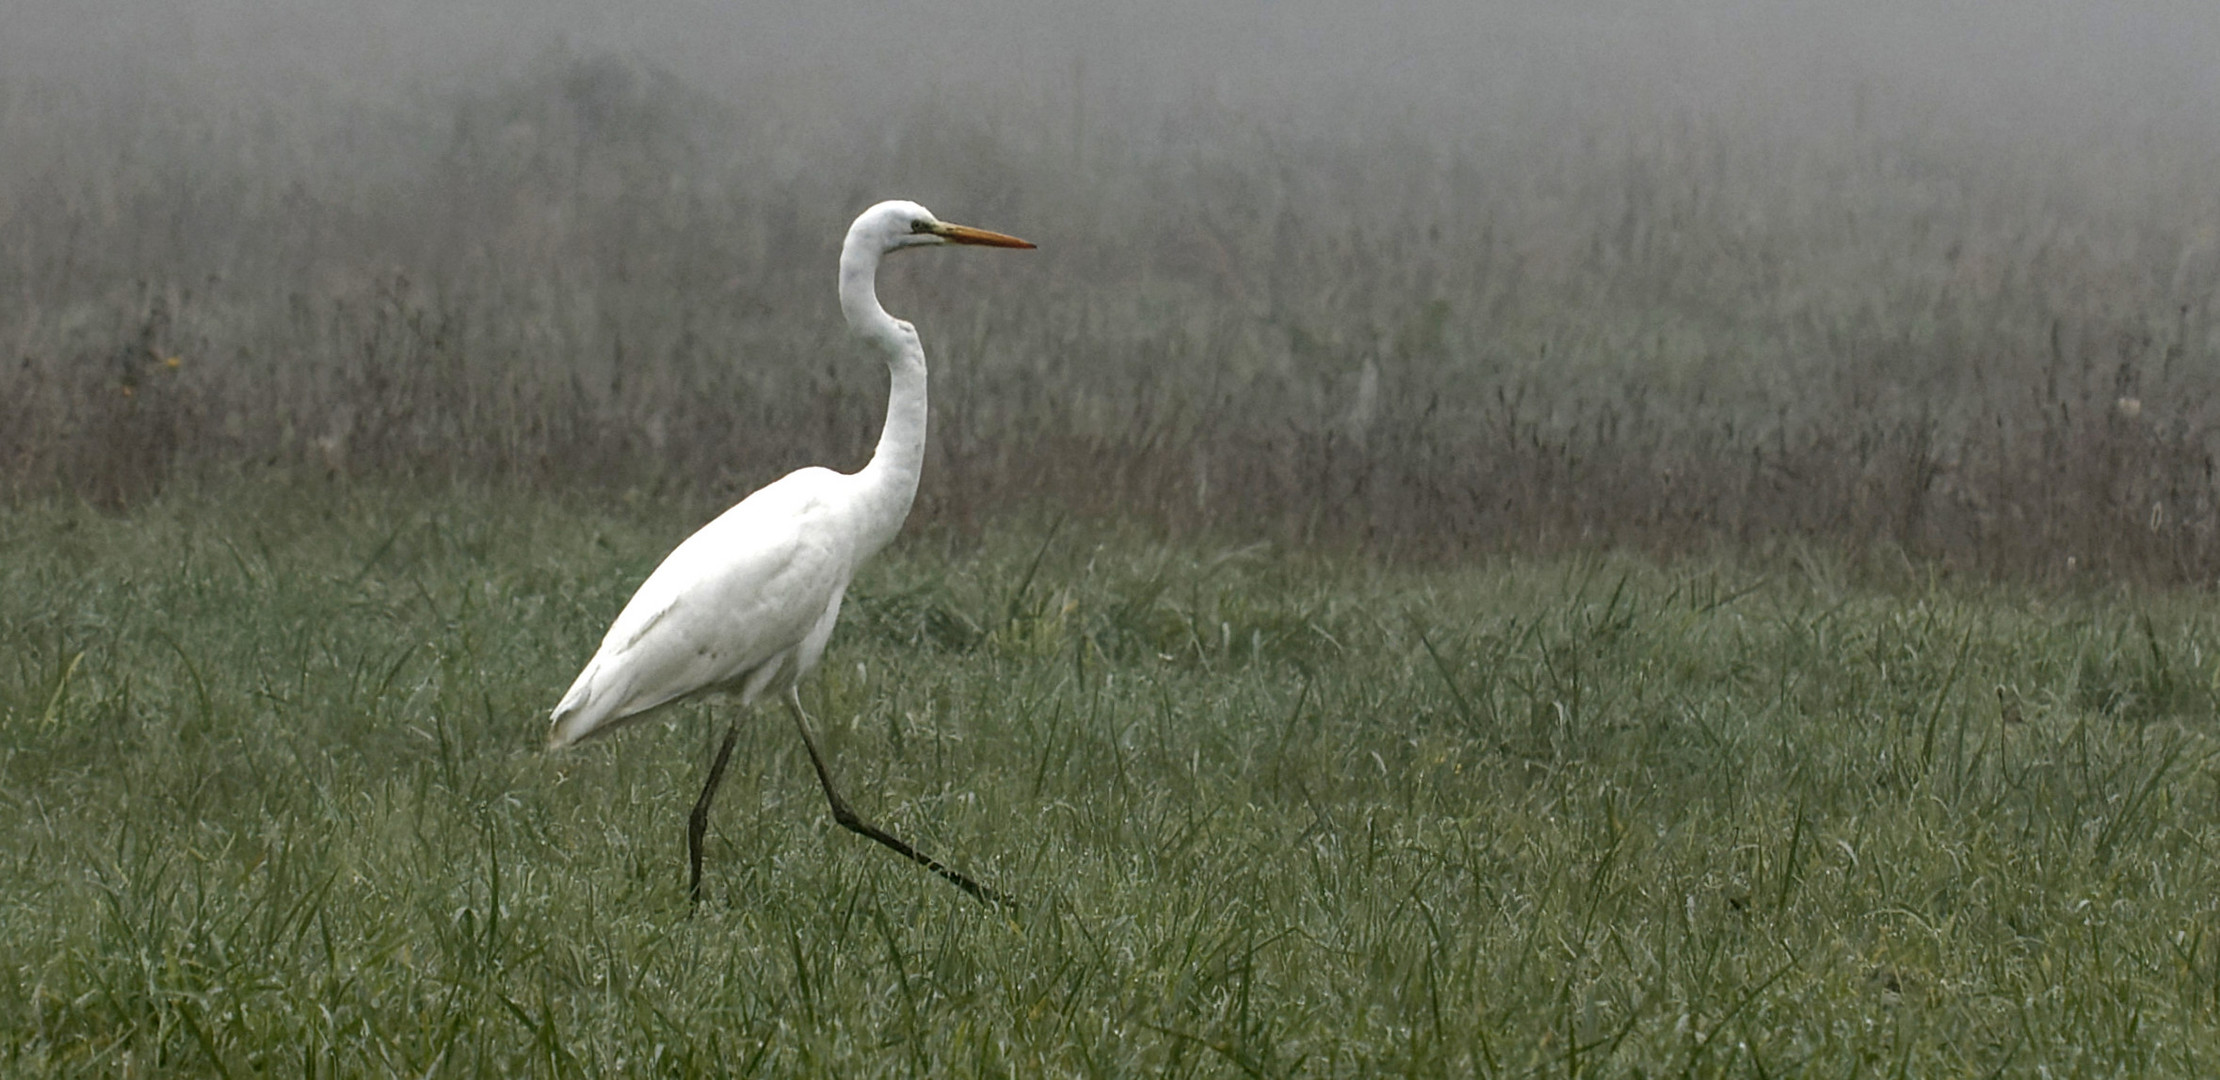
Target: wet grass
[{"x": 274, "y": 803}]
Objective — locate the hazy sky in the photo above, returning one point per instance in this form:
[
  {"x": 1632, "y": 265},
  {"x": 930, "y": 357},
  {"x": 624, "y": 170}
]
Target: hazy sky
[{"x": 2029, "y": 69}]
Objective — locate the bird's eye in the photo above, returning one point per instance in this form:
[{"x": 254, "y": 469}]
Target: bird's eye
[{"x": 919, "y": 225}]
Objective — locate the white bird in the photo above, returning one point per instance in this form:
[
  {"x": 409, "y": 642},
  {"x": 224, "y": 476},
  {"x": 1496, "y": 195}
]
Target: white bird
[{"x": 746, "y": 604}]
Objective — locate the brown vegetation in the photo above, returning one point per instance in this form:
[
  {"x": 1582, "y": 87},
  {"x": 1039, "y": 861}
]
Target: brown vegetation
[{"x": 1659, "y": 334}]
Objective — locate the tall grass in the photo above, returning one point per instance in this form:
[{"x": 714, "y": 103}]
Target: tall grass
[
  {"x": 274, "y": 803},
  {"x": 1664, "y": 332}
]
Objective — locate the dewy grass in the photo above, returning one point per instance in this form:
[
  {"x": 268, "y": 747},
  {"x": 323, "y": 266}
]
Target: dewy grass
[{"x": 274, "y": 803}]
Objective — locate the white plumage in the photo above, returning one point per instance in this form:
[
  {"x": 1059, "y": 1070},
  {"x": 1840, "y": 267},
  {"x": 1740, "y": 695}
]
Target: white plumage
[
  {"x": 746, "y": 604},
  {"x": 748, "y": 599}
]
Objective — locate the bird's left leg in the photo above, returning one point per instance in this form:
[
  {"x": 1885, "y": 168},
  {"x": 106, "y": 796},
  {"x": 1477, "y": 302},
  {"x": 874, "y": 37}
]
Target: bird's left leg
[
  {"x": 854, "y": 822},
  {"x": 698, "y": 823}
]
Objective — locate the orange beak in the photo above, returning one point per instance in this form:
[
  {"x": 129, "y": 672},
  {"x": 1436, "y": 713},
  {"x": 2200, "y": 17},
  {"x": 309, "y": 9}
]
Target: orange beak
[{"x": 965, "y": 234}]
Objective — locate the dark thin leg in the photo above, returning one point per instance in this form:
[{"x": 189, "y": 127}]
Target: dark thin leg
[
  {"x": 854, "y": 823},
  {"x": 699, "y": 822}
]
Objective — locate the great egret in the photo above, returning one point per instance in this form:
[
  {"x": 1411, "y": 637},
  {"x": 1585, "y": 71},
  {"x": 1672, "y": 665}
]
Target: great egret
[{"x": 746, "y": 604}]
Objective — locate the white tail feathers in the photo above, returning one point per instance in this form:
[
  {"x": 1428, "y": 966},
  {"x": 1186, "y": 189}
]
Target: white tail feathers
[{"x": 576, "y": 717}]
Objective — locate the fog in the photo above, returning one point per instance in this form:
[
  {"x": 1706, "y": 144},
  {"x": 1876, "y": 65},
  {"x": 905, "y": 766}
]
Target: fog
[
  {"x": 1587, "y": 260},
  {"x": 2058, "y": 70},
  {"x": 2056, "y": 93}
]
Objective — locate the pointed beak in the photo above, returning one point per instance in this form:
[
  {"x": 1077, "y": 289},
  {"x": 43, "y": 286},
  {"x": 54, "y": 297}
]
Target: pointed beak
[{"x": 965, "y": 234}]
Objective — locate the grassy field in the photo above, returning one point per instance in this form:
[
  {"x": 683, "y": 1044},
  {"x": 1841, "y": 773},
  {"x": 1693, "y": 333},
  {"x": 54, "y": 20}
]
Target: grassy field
[
  {"x": 274, "y": 803},
  {"x": 1657, "y": 541}
]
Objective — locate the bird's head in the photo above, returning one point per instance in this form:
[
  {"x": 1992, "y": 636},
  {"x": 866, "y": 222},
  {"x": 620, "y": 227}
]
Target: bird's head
[{"x": 898, "y": 224}]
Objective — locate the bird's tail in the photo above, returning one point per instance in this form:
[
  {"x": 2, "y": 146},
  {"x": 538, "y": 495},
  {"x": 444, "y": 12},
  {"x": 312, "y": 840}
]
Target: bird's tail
[{"x": 576, "y": 715}]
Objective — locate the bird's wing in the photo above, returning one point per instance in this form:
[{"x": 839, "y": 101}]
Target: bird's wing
[{"x": 734, "y": 599}]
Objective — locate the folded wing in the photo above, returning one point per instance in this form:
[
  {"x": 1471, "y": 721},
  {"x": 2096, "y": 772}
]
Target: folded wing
[{"x": 732, "y": 607}]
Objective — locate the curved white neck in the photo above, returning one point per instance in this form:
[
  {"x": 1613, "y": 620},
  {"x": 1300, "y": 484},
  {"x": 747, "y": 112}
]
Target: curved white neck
[{"x": 890, "y": 480}]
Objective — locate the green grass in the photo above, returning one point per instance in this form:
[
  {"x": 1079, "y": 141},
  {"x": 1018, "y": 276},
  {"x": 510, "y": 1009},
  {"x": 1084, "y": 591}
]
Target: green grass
[{"x": 272, "y": 801}]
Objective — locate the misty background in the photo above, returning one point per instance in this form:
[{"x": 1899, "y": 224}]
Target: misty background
[{"x": 1428, "y": 280}]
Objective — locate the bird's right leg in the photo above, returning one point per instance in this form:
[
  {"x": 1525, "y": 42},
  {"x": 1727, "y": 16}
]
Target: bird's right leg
[
  {"x": 698, "y": 824},
  {"x": 854, "y": 822}
]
